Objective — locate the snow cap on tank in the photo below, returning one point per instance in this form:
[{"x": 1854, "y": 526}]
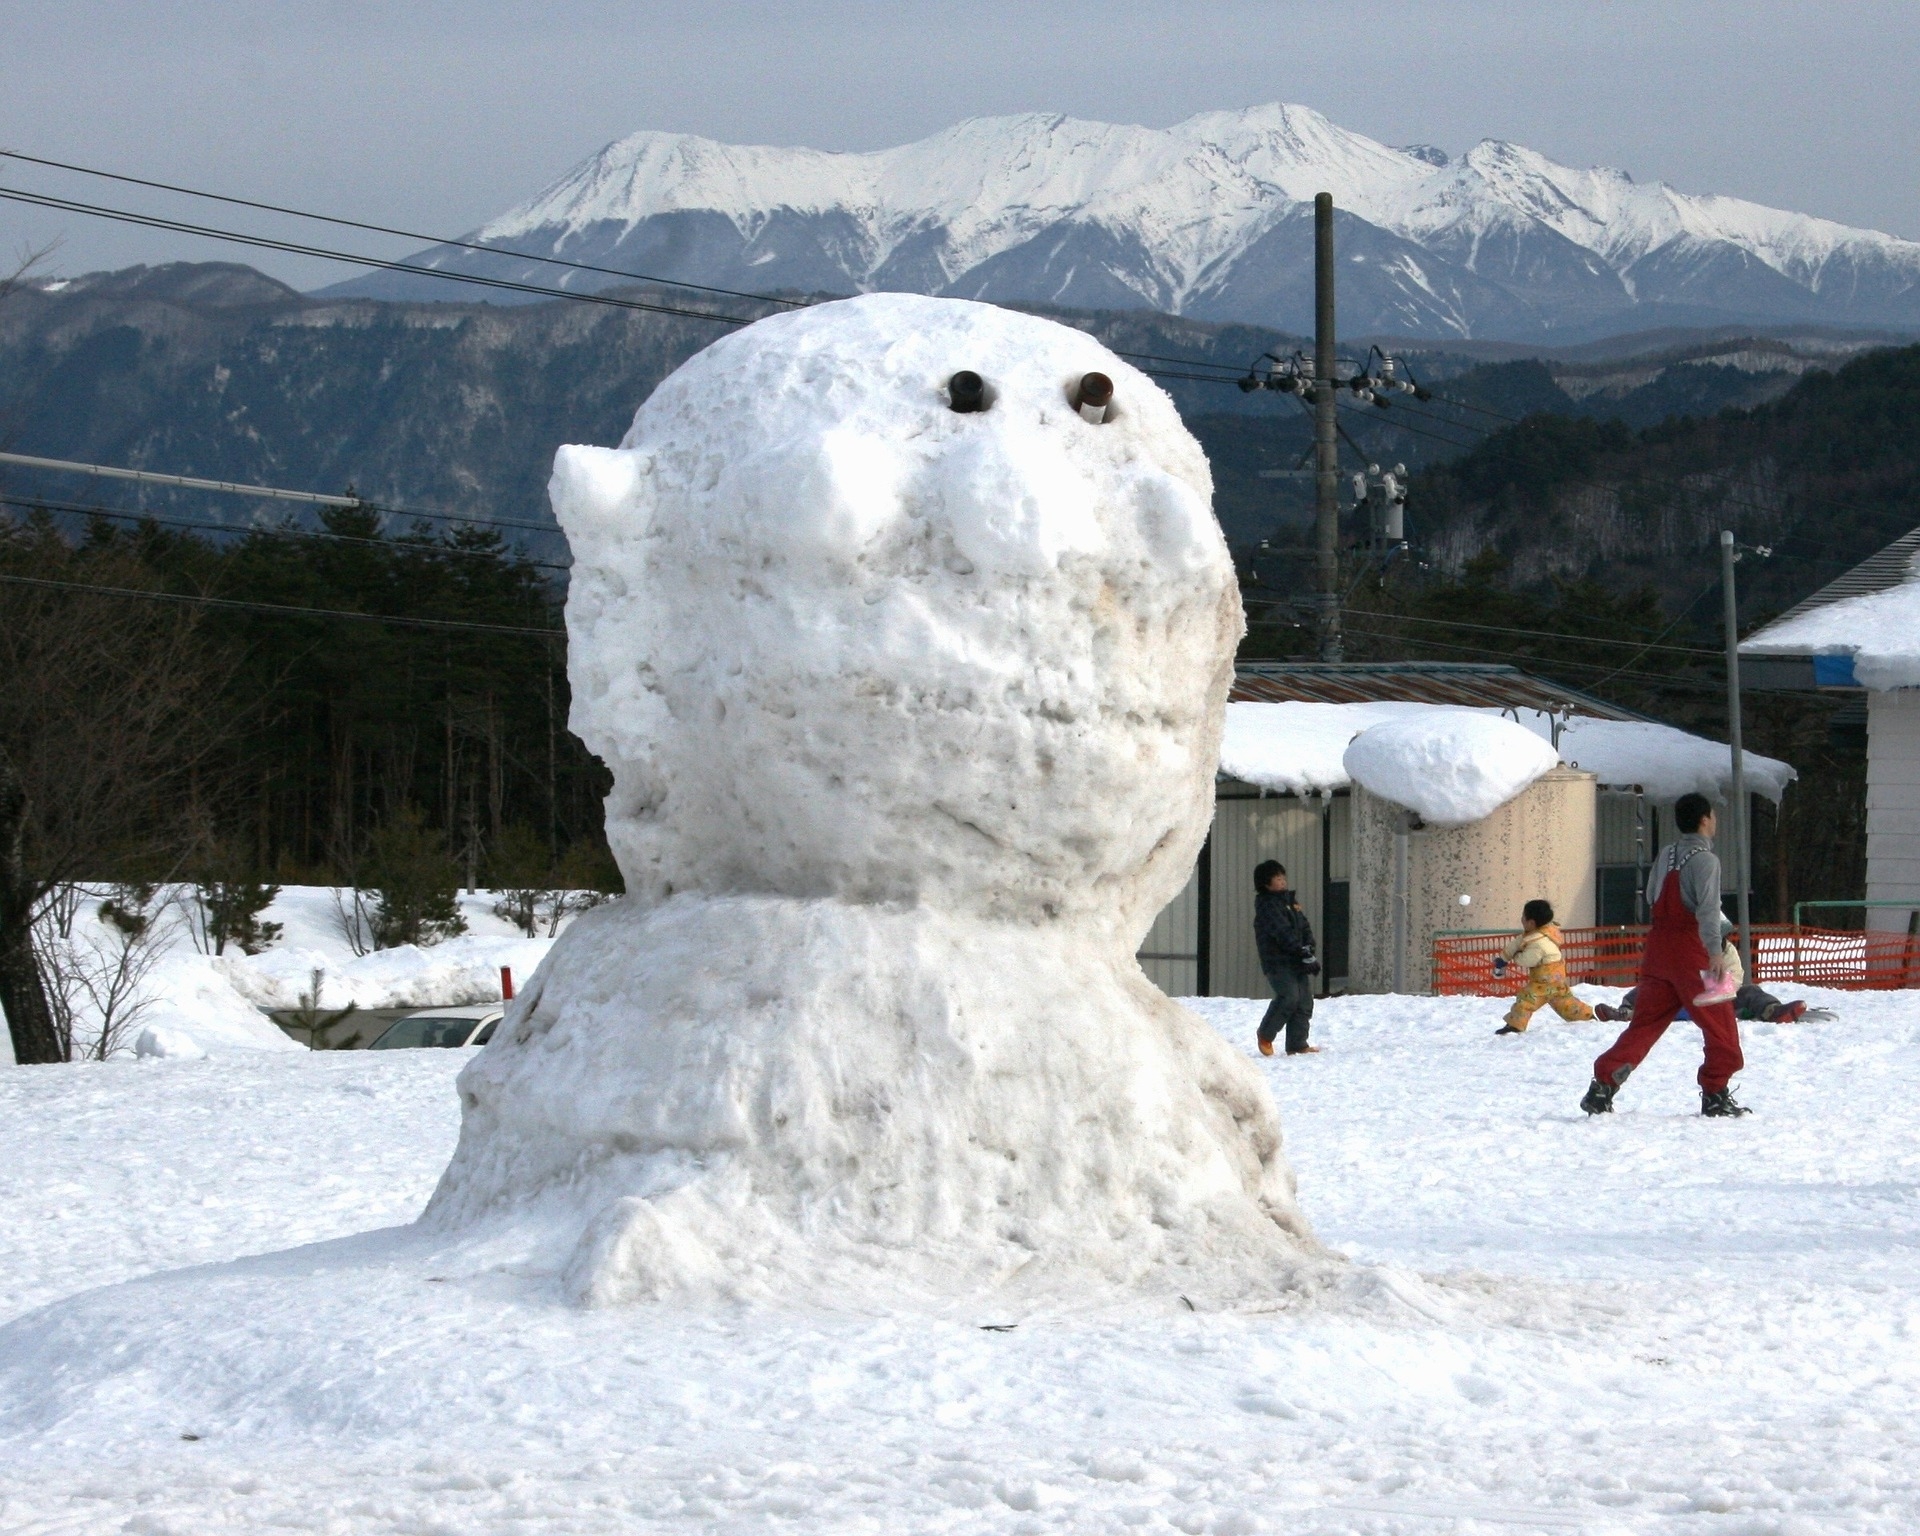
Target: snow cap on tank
[{"x": 1450, "y": 767}]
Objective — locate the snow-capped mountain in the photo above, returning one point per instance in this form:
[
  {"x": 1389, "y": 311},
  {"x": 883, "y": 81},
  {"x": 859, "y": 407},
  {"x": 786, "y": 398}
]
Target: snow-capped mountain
[{"x": 1211, "y": 217}]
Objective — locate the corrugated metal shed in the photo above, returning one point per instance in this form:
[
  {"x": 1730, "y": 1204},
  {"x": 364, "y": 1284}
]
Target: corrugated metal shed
[{"x": 1419, "y": 682}]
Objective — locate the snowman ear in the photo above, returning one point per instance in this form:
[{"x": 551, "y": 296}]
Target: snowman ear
[{"x": 601, "y": 498}]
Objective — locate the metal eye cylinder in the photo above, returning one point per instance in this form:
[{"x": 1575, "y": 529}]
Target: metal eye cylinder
[
  {"x": 967, "y": 392},
  {"x": 1093, "y": 396}
]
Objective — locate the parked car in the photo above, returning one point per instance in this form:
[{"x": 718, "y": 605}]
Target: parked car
[{"x": 472, "y": 1025}]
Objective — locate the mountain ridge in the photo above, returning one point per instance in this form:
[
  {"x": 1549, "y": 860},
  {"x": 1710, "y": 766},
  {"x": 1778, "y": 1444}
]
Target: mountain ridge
[
  {"x": 215, "y": 370},
  {"x": 1209, "y": 218}
]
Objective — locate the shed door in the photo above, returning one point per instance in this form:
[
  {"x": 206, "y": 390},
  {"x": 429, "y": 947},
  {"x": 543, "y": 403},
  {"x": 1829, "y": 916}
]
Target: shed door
[{"x": 1247, "y": 830}]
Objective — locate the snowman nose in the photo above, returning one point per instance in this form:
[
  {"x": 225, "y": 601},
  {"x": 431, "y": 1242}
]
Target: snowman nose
[{"x": 967, "y": 392}]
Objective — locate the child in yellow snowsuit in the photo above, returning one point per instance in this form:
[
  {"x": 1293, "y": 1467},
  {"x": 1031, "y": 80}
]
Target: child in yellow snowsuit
[{"x": 1537, "y": 951}]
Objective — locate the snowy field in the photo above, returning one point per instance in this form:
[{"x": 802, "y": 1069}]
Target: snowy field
[
  {"x": 1638, "y": 1323},
  {"x": 1647, "y": 1322}
]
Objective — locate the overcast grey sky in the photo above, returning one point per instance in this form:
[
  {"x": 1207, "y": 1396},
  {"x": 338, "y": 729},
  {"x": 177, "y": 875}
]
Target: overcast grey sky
[{"x": 437, "y": 115}]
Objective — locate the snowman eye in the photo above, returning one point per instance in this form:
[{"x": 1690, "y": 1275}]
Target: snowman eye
[
  {"x": 967, "y": 392},
  {"x": 1093, "y": 396}
]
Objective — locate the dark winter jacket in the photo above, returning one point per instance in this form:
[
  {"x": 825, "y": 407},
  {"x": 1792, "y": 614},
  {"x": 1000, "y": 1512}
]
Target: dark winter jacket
[{"x": 1282, "y": 932}]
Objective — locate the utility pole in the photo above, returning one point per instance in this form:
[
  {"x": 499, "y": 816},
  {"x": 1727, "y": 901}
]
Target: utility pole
[
  {"x": 1326, "y": 452},
  {"x": 1739, "y": 807}
]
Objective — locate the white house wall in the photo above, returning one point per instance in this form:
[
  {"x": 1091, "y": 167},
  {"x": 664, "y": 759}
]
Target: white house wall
[{"x": 1893, "y": 804}]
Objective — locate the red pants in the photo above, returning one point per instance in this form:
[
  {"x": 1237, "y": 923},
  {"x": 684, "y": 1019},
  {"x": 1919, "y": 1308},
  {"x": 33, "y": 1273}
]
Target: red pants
[{"x": 1654, "y": 1007}]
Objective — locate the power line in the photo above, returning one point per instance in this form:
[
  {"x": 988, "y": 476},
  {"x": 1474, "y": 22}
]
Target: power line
[
  {"x": 1508, "y": 629},
  {"x": 1227, "y": 372},
  {"x": 1685, "y": 609},
  {"x": 283, "y": 609},
  {"x": 1224, "y": 375},
  {"x": 382, "y": 229},
  {"x": 1486, "y": 433},
  {"x": 1651, "y": 678},
  {"x": 324, "y": 253},
  {"x": 1466, "y": 405},
  {"x": 1726, "y": 496},
  {"x": 1229, "y": 375},
  {"x": 78, "y": 510}
]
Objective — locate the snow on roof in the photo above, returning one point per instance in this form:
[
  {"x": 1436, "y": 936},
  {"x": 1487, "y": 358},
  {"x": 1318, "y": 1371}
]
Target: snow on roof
[
  {"x": 1880, "y": 630},
  {"x": 1665, "y": 761},
  {"x": 1301, "y": 749},
  {"x": 1451, "y": 766}
]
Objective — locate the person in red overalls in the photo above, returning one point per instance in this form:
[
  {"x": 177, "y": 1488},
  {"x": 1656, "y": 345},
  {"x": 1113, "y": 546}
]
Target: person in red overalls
[{"x": 1684, "y": 892}]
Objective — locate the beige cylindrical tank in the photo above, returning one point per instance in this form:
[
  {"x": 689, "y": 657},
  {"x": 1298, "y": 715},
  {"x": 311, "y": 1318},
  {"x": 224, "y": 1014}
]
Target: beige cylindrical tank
[{"x": 1540, "y": 843}]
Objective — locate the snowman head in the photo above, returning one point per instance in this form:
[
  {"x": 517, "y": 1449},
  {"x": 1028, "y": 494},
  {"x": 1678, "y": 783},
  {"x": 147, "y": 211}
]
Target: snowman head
[{"x": 835, "y": 637}]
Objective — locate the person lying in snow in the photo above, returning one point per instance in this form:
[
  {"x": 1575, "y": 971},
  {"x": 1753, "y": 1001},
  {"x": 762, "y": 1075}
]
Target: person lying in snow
[
  {"x": 1749, "y": 1003},
  {"x": 1675, "y": 973},
  {"x": 1284, "y": 938},
  {"x": 1537, "y": 952}
]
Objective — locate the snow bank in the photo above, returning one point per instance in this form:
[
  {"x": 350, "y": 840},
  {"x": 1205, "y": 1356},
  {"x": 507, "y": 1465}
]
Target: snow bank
[
  {"x": 196, "y": 1007},
  {"x": 455, "y": 971},
  {"x": 1880, "y": 630},
  {"x": 912, "y": 718},
  {"x": 1451, "y": 767},
  {"x": 157, "y": 1042}
]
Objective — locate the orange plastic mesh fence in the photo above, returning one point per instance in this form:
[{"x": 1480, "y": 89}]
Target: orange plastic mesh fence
[{"x": 1610, "y": 957}]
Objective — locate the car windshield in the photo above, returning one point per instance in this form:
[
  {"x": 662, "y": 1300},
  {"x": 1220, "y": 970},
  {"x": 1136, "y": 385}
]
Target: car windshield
[{"x": 422, "y": 1030}]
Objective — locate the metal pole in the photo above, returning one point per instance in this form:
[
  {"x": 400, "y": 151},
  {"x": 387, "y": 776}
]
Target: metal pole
[
  {"x": 188, "y": 482},
  {"x": 1400, "y": 925},
  {"x": 1326, "y": 455},
  {"x": 1742, "y": 868}
]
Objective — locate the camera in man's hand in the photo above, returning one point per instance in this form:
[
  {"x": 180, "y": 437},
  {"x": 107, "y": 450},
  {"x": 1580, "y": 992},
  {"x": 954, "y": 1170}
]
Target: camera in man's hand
[{"x": 1309, "y": 964}]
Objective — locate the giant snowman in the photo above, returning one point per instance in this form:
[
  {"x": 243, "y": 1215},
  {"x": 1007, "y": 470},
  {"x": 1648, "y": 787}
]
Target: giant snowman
[{"x": 912, "y": 713}]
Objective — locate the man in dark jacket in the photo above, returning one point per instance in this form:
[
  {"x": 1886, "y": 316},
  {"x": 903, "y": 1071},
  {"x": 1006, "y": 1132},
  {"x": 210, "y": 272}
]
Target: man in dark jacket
[{"x": 1285, "y": 940}]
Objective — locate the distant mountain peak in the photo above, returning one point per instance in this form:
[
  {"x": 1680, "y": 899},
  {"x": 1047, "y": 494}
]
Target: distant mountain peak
[{"x": 1200, "y": 218}]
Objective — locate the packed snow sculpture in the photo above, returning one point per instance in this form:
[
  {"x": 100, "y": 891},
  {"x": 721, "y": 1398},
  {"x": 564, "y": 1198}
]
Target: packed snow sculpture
[{"x": 912, "y": 689}]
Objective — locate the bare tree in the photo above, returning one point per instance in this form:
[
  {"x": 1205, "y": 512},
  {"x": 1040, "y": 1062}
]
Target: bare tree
[
  {"x": 109, "y": 707},
  {"x": 96, "y": 978},
  {"x": 26, "y": 261}
]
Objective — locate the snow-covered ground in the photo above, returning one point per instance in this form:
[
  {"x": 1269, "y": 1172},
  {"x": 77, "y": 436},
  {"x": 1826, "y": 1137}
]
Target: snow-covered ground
[{"x": 1643, "y": 1323}]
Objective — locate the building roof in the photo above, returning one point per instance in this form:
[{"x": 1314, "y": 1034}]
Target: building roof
[
  {"x": 1474, "y": 685},
  {"x": 1285, "y": 735},
  {"x": 1860, "y": 631},
  {"x": 1891, "y": 567}
]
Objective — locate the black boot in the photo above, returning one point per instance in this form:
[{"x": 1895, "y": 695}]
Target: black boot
[
  {"x": 1721, "y": 1105},
  {"x": 1599, "y": 1099}
]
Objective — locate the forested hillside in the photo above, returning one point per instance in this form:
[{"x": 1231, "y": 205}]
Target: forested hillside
[
  {"x": 215, "y": 370},
  {"x": 1587, "y": 550}
]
